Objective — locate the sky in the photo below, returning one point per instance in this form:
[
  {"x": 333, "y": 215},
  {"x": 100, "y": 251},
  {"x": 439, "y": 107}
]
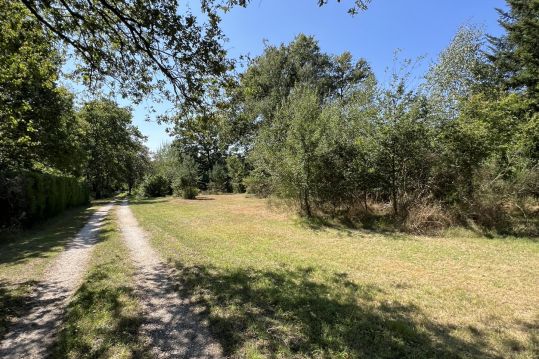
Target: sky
[{"x": 416, "y": 27}]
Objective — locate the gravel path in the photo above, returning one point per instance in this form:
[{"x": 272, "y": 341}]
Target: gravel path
[
  {"x": 172, "y": 327},
  {"x": 31, "y": 335}
]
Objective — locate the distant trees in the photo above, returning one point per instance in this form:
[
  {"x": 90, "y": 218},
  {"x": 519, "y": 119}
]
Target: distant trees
[{"x": 115, "y": 151}]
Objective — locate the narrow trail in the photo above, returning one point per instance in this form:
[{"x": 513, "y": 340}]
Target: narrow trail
[
  {"x": 172, "y": 328},
  {"x": 31, "y": 335}
]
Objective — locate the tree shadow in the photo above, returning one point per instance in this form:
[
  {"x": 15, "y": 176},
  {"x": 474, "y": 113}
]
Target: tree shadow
[
  {"x": 350, "y": 228},
  {"x": 96, "y": 296},
  {"x": 144, "y": 201},
  {"x": 14, "y": 302},
  {"x": 16, "y": 247},
  {"x": 293, "y": 312}
]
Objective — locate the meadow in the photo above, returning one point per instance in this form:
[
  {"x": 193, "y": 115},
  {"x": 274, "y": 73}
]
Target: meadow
[{"x": 273, "y": 285}]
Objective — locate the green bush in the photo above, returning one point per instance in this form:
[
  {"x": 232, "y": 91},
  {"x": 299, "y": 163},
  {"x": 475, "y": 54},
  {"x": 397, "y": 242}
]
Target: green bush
[
  {"x": 155, "y": 186},
  {"x": 185, "y": 182},
  {"x": 29, "y": 196}
]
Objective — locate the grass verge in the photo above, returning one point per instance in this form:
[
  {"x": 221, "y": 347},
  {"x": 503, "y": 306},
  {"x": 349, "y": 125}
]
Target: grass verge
[
  {"x": 104, "y": 316},
  {"x": 24, "y": 256},
  {"x": 273, "y": 287}
]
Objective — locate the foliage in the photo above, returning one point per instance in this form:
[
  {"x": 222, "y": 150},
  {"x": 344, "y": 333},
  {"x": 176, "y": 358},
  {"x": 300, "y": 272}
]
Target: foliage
[
  {"x": 115, "y": 43},
  {"x": 199, "y": 137},
  {"x": 218, "y": 178},
  {"x": 515, "y": 55},
  {"x": 36, "y": 115},
  {"x": 258, "y": 182},
  {"x": 185, "y": 182},
  {"x": 155, "y": 186},
  {"x": 237, "y": 172},
  {"x": 113, "y": 145},
  {"x": 270, "y": 78},
  {"x": 29, "y": 196}
]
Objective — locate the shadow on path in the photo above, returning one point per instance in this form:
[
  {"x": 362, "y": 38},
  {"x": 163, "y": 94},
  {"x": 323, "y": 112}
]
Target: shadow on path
[{"x": 16, "y": 247}]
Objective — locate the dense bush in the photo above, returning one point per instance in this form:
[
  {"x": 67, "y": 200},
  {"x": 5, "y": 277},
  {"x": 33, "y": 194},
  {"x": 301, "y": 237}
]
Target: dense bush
[
  {"x": 155, "y": 186},
  {"x": 185, "y": 182},
  {"x": 218, "y": 179},
  {"x": 26, "y": 197}
]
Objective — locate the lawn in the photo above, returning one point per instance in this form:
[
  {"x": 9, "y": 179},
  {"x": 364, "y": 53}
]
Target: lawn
[
  {"x": 24, "y": 255},
  {"x": 273, "y": 286}
]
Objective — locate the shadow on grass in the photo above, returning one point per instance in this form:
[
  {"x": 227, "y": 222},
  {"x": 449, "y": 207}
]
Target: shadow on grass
[
  {"x": 293, "y": 312},
  {"x": 143, "y": 201},
  {"x": 41, "y": 239},
  {"x": 99, "y": 319},
  {"x": 14, "y": 301},
  {"x": 350, "y": 228}
]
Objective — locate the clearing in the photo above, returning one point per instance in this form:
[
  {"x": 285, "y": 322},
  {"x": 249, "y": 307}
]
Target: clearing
[{"x": 271, "y": 284}]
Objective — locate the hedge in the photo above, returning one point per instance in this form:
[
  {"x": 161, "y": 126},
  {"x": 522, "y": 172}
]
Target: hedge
[{"x": 27, "y": 197}]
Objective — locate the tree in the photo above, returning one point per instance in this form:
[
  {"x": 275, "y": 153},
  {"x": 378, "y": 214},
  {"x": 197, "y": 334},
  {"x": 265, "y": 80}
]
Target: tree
[
  {"x": 456, "y": 74},
  {"x": 270, "y": 78},
  {"x": 405, "y": 139},
  {"x": 287, "y": 147},
  {"x": 186, "y": 179},
  {"x": 347, "y": 75},
  {"x": 136, "y": 164},
  {"x": 110, "y": 139},
  {"x": 516, "y": 55},
  {"x": 199, "y": 137},
  {"x": 139, "y": 46},
  {"x": 142, "y": 46},
  {"x": 237, "y": 171},
  {"x": 36, "y": 115}
]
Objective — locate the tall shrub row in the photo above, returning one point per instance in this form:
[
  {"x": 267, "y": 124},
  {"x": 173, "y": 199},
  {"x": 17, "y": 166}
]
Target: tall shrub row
[{"x": 29, "y": 196}]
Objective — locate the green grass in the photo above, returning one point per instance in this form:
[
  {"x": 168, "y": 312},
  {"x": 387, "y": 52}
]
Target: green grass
[
  {"x": 104, "y": 316},
  {"x": 275, "y": 287},
  {"x": 24, "y": 255}
]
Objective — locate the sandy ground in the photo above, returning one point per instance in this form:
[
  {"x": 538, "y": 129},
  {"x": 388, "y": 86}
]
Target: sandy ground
[
  {"x": 172, "y": 327},
  {"x": 31, "y": 335}
]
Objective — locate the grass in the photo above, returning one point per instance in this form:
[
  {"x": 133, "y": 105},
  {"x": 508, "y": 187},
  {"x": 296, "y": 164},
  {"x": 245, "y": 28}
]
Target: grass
[
  {"x": 104, "y": 316},
  {"x": 24, "y": 255},
  {"x": 275, "y": 287}
]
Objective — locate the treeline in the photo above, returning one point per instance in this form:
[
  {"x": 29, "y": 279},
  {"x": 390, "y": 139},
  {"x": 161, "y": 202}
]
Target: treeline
[
  {"x": 459, "y": 145},
  {"x": 54, "y": 154}
]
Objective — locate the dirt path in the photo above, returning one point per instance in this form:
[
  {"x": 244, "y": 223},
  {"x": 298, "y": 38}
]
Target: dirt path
[
  {"x": 31, "y": 335},
  {"x": 172, "y": 327}
]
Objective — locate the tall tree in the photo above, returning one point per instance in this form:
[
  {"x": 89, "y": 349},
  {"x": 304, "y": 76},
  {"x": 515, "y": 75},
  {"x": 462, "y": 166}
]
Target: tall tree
[
  {"x": 516, "y": 54},
  {"x": 36, "y": 115}
]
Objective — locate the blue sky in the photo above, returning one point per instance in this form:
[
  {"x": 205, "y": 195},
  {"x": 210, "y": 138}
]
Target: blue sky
[{"x": 417, "y": 27}]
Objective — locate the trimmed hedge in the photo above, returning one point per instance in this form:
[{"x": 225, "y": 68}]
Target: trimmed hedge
[{"x": 27, "y": 197}]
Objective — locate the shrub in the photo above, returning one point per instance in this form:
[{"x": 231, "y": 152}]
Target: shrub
[
  {"x": 258, "y": 183},
  {"x": 236, "y": 170},
  {"x": 155, "y": 186},
  {"x": 29, "y": 196},
  {"x": 426, "y": 217},
  {"x": 218, "y": 178},
  {"x": 185, "y": 181}
]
